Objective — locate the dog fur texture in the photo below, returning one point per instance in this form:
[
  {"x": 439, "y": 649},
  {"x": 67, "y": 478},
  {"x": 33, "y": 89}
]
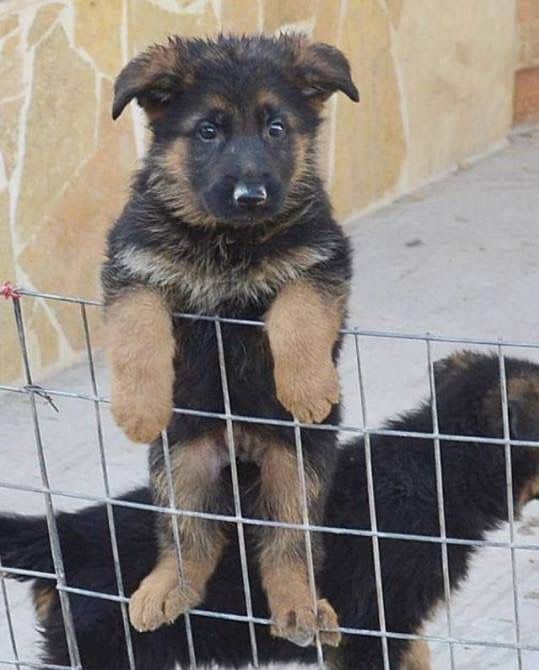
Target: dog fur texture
[
  {"x": 229, "y": 217},
  {"x": 469, "y": 403}
]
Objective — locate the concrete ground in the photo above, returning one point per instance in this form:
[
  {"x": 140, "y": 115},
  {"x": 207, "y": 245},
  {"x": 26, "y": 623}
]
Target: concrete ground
[{"x": 459, "y": 257}]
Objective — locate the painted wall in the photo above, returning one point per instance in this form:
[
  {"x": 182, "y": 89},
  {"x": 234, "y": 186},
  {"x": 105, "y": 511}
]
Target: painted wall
[{"x": 436, "y": 80}]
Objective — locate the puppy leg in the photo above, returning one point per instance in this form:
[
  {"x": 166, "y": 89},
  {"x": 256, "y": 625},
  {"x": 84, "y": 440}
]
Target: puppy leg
[
  {"x": 161, "y": 596},
  {"x": 417, "y": 657},
  {"x": 303, "y": 326},
  {"x": 141, "y": 347},
  {"x": 296, "y": 612}
]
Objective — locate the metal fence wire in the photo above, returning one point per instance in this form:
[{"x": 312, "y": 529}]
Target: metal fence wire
[{"x": 33, "y": 391}]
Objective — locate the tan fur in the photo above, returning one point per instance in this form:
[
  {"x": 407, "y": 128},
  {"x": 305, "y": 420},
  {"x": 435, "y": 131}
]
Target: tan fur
[
  {"x": 523, "y": 388},
  {"x": 44, "y": 600},
  {"x": 177, "y": 191},
  {"x": 282, "y": 555},
  {"x": 208, "y": 286},
  {"x": 140, "y": 346},
  {"x": 462, "y": 359},
  {"x": 529, "y": 491},
  {"x": 195, "y": 468},
  {"x": 302, "y": 326},
  {"x": 418, "y": 656},
  {"x": 296, "y": 616},
  {"x": 160, "y": 598}
]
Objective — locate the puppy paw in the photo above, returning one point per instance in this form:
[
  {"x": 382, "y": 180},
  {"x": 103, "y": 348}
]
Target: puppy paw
[
  {"x": 326, "y": 621},
  {"x": 297, "y": 623},
  {"x": 150, "y": 608},
  {"x": 308, "y": 393},
  {"x": 141, "y": 417}
]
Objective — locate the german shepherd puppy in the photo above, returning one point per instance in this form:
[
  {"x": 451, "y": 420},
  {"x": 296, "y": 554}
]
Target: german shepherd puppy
[
  {"x": 468, "y": 396},
  {"x": 229, "y": 217}
]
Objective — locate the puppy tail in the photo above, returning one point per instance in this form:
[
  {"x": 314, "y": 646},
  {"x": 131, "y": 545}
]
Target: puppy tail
[{"x": 24, "y": 545}]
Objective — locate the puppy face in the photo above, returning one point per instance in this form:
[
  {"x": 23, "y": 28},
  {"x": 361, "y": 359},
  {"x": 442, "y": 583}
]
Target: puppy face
[{"x": 234, "y": 122}]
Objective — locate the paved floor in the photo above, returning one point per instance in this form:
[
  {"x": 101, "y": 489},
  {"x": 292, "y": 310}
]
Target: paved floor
[{"x": 460, "y": 257}]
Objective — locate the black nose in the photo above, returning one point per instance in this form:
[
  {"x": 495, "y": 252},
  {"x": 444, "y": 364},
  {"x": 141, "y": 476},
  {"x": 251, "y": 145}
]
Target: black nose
[{"x": 249, "y": 195}]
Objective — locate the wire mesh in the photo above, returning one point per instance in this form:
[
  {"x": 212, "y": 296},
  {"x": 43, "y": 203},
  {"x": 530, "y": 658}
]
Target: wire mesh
[{"x": 58, "y": 576}]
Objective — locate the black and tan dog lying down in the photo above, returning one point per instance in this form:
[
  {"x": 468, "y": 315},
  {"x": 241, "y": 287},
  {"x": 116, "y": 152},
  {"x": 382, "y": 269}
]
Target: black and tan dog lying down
[{"x": 468, "y": 397}]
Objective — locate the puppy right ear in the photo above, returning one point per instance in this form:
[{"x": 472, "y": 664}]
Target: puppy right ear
[{"x": 152, "y": 78}]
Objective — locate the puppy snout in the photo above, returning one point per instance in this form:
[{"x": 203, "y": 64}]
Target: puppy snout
[{"x": 249, "y": 195}]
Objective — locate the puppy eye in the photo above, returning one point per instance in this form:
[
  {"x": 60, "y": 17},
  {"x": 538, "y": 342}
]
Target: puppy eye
[
  {"x": 276, "y": 128},
  {"x": 207, "y": 131}
]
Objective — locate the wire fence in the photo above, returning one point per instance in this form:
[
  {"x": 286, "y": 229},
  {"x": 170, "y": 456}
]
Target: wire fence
[{"x": 34, "y": 391}]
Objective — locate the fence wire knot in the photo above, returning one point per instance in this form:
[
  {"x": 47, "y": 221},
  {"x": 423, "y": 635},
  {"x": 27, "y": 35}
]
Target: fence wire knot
[{"x": 9, "y": 291}]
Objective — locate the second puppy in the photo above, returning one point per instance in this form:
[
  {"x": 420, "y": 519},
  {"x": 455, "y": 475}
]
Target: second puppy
[{"x": 229, "y": 217}]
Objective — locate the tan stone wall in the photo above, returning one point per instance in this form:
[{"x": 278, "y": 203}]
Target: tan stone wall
[
  {"x": 436, "y": 81},
  {"x": 526, "y": 100}
]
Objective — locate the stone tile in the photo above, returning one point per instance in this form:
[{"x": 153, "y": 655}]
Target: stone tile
[
  {"x": 41, "y": 335},
  {"x": 458, "y": 86},
  {"x": 96, "y": 19},
  {"x": 240, "y": 16},
  {"x": 11, "y": 66},
  {"x": 44, "y": 19},
  {"x": 325, "y": 29},
  {"x": 8, "y": 23},
  {"x": 150, "y": 23},
  {"x": 395, "y": 10},
  {"x": 9, "y": 133},
  {"x": 80, "y": 221},
  {"x": 526, "y": 102},
  {"x": 279, "y": 13},
  {"x": 60, "y": 128},
  {"x": 326, "y": 22},
  {"x": 370, "y": 145},
  {"x": 10, "y": 361},
  {"x": 528, "y": 26}
]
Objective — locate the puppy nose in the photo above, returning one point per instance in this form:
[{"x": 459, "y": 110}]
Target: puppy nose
[{"x": 250, "y": 195}]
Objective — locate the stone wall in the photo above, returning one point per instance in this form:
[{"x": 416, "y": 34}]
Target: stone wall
[
  {"x": 527, "y": 75},
  {"x": 436, "y": 80}
]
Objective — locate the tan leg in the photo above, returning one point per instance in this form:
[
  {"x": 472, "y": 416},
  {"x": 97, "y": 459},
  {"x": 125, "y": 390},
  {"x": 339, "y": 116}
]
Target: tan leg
[
  {"x": 140, "y": 345},
  {"x": 297, "y": 613},
  {"x": 161, "y": 598},
  {"x": 303, "y": 326},
  {"x": 417, "y": 657}
]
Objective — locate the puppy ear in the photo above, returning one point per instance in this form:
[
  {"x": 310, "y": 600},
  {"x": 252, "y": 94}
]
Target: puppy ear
[
  {"x": 151, "y": 78},
  {"x": 323, "y": 70}
]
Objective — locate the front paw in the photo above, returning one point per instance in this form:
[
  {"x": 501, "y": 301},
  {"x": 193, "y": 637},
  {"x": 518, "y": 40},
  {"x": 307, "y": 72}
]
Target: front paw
[
  {"x": 151, "y": 606},
  {"x": 142, "y": 417},
  {"x": 308, "y": 393}
]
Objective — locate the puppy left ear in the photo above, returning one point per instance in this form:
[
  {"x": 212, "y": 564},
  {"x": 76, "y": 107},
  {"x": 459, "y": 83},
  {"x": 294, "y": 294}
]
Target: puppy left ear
[
  {"x": 324, "y": 70},
  {"x": 152, "y": 78}
]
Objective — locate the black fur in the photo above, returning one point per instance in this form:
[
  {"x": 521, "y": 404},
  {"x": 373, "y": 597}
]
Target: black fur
[
  {"x": 231, "y": 116},
  {"x": 468, "y": 399}
]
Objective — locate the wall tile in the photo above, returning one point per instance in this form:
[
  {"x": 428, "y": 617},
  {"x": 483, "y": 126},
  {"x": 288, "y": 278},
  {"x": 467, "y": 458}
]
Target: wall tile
[
  {"x": 370, "y": 145},
  {"x": 43, "y": 20},
  {"x": 9, "y": 133},
  {"x": 59, "y": 128},
  {"x": 97, "y": 31},
  {"x": 457, "y": 70},
  {"x": 81, "y": 219},
  {"x": 528, "y": 27},
  {"x": 149, "y": 22},
  {"x": 240, "y": 16},
  {"x": 10, "y": 361},
  {"x": 11, "y": 66}
]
